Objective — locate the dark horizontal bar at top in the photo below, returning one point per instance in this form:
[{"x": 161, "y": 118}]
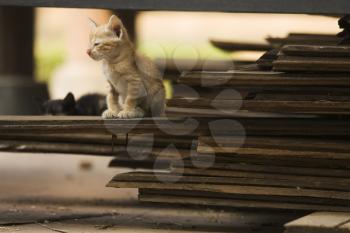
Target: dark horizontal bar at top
[{"x": 249, "y": 6}]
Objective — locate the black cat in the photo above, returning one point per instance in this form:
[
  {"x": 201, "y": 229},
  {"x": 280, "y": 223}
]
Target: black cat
[{"x": 87, "y": 105}]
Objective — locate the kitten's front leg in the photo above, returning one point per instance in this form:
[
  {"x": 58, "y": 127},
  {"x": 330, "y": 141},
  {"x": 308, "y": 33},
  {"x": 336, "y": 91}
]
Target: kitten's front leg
[
  {"x": 130, "y": 109},
  {"x": 113, "y": 107}
]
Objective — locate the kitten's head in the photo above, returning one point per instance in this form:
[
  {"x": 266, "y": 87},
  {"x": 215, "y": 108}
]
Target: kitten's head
[
  {"x": 106, "y": 40},
  {"x": 64, "y": 106}
]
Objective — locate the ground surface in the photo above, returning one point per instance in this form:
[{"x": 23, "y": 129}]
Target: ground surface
[{"x": 67, "y": 194}]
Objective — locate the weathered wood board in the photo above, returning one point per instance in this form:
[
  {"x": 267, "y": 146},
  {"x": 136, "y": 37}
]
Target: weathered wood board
[
  {"x": 240, "y": 201},
  {"x": 164, "y": 181},
  {"x": 319, "y": 222}
]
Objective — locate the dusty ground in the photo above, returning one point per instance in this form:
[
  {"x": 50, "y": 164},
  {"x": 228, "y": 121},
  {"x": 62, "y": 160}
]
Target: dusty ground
[{"x": 67, "y": 194}]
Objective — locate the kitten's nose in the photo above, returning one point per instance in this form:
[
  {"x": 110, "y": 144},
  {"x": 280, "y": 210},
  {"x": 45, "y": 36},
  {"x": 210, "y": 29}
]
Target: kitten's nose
[{"x": 88, "y": 52}]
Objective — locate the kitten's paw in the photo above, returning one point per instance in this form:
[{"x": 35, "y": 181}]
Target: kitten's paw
[
  {"x": 108, "y": 114},
  {"x": 135, "y": 113}
]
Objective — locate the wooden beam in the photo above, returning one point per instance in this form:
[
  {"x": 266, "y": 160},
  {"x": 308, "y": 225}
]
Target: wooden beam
[
  {"x": 16, "y": 41},
  {"x": 252, "y": 6}
]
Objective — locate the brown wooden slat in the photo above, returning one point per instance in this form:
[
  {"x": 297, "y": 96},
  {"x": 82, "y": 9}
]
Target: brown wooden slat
[
  {"x": 307, "y": 182},
  {"x": 300, "y": 147},
  {"x": 253, "y": 125},
  {"x": 217, "y": 172},
  {"x": 316, "y": 50},
  {"x": 164, "y": 196},
  {"x": 262, "y": 78},
  {"x": 305, "y": 39},
  {"x": 236, "y": 203},
  {"x": 278, "y": 106},
  {"x": 123, "y": 181},
  {"x": 239, "y": 46},
  {"x": 268, "y": 198},
  {"x": 89, "y": 149},
  {"x": 265, "y": 169},
  {"x": 317, "y": 64},
  {"x": 293, "y": 161},
  {"x": 105, "y": 139}
]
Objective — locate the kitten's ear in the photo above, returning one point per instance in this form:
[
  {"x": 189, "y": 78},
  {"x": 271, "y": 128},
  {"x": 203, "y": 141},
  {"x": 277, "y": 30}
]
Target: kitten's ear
[
  {"x": 69, "y": 100},
  {"x": 115, "y": 25},
  {"x": 93, "y": 24}
]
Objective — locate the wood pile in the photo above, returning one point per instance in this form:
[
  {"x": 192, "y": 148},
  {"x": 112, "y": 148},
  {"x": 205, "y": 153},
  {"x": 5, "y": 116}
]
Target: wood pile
[
  {"x": 274, "y": 137},
  {"x": 268, "y": 151}
]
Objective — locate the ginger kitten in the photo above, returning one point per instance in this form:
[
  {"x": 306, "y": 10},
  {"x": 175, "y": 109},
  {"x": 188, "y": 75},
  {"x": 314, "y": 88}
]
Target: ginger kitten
[{"x": 136, "y": 86}]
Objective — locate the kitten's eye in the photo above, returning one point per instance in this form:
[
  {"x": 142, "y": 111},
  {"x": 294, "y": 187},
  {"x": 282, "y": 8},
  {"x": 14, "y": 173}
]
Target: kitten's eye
[{"x": 96, "y": 44}]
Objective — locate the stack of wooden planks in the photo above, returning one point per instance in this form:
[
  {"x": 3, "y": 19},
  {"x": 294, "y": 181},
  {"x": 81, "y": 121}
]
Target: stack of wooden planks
[
  {"x": 289, "y": 172},
  {"x": 134, "y": 143},
  {"x": 266, "y": 91},
  {"x": 260, "y": 148},
  {"x": 273, "y": 138},
  {"x": 313, "y": 58}
]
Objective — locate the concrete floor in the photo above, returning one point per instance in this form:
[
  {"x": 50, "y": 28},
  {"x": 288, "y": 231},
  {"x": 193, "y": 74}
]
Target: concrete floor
[{"x": 67, "y": 194}]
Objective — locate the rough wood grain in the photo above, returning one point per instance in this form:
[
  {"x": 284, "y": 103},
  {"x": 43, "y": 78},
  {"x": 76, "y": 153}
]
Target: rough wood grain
[{"x": 124, "y": 181}]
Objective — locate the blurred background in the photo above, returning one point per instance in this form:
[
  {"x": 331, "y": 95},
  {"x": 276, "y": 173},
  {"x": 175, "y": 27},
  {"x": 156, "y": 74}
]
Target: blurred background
[
  {"x": 175, "y": 40},
  {"x": 61, "y": 39}
]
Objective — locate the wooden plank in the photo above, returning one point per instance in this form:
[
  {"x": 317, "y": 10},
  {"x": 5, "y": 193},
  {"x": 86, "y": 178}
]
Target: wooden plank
[
  {"x": 253, "y": 125},
  {"x": 322, "y": 148},
  {"x": 268, "y": 198},
  {"x": 90, "y": 149},
  {"x": 319, "y": 222},
  {"x": 316, "y": 50},
  {"x": 316, "y": 64},
  {"x": 140, "y": 140},
  {"x": 234, "y": 173},
  {"x": 261, "y": 78},
  {"x": 239, "y": 46},
  {"x": 293, "y": 161},
  {"x": 289, "y": 96},
  {"x": 305, "y": 39},
  {"x": 322, "y": 183},
  {"x": 265, "y": 168},
  {"x": 57, "y": 147},
  {"x": 234, "y": 201},
  {"x": 279, "y": 106},
  {"x": 55, "y": 125},
  {"x": 271, "y": 178},
  {"x": 123, "y": 181},
  {"x": 188, "y": 112}
]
